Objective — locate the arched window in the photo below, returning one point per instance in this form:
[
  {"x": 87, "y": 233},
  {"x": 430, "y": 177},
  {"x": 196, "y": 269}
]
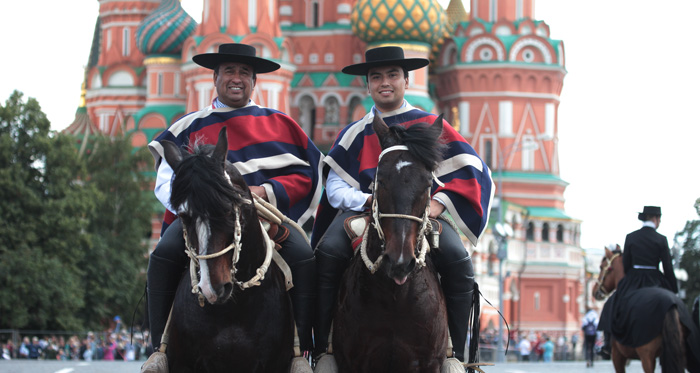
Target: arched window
[
  {"x": 530, "y": 232},
  {"x": 354, "y": 103},
  {"x": 560, "y": 233},
  {"x": 307, "y": 115},
  {"x": 545, "y": 232},
  {"x": 332, "y": 108}
]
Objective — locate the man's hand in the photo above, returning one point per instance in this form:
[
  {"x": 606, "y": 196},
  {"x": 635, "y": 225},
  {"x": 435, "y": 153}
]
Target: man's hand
[
  {"x": 368, "y": 202},
  {"x": 436, "y": 208},
  {"x": 259, "y": 191}
]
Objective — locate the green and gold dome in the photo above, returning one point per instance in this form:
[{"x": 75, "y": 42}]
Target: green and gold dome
[{"x": 399, "y": 20}]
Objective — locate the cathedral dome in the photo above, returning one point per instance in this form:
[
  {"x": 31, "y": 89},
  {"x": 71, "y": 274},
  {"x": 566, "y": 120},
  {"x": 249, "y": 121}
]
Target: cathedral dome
[
  {"x": 165, "y": 30},
  {"x": 399, "y": 20}
]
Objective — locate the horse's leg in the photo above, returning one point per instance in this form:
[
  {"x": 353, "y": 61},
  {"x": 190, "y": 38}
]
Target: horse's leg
[
  {"x": 648, "y": 354},
  {"x": 619, "y": 360}
]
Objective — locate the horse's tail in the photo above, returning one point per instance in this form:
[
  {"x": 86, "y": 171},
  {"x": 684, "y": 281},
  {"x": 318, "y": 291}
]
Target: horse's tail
[
  {"x": 475, "y": 316},
  {"x": 673, "y": 354}
]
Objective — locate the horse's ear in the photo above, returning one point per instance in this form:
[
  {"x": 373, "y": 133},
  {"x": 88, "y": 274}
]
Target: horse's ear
[
  {"x": 436, "y": 128},
  {"x": 380, "y": 128},
  {"x": 608, "y": 253},
  {"x": 221, "y": 149},
  {"x": 172, "y": 153}
]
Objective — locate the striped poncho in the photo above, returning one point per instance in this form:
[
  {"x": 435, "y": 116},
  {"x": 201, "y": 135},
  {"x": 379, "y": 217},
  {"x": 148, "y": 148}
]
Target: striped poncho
[
  {"x": 265, "y": 145},
  {"x": 468, "y": 189}
]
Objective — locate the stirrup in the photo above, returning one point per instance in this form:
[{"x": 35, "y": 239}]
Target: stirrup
[
  {"x": 156, "y": 363},
  {"x": 325, "y": 363}
]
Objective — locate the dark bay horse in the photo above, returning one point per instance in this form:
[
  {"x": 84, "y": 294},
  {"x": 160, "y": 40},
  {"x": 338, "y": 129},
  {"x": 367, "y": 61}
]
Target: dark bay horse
[
  {"x": 239, "y": 318},
  {"x": 670, "y": 343},
  {"x": 391, "y": 314}
]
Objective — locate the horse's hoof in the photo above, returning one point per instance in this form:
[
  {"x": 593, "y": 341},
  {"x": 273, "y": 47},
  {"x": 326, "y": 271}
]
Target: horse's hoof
[
  {"x": 326, "y": 364},
  {"x": 156, "y": 363},
  {"x": 300, "y": 365},
  {"x": 452, "y": 365}
]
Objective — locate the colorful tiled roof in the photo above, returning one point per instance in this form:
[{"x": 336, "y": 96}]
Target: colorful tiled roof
[
  {"x": 165, "y": 30},
  {"x": 396, "y": 20}
]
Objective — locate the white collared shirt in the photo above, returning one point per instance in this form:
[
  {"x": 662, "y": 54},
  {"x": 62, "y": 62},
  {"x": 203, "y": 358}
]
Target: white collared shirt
[{"x": 342, "y": 195}]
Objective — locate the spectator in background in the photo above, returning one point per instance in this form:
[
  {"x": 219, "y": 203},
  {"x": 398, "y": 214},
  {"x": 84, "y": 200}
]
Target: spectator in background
[
  {"x": 589, "y": 325},
  {"x": 524, "y": 348},
  {"x": 10, "y": 348},
  {"x": 24, "y": 348},
  {"x": 6, "y": 355},
  {"x": 574, "y": 342},
  {"x": 548, "y": 350},
  {"x": 109, "y": 348},
  {"x": 34, "y": 349}
]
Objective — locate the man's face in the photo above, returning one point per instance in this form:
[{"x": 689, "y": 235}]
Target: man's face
[
  {"x": 234, "y": 83},
  {"x": 387, "y": 85}
]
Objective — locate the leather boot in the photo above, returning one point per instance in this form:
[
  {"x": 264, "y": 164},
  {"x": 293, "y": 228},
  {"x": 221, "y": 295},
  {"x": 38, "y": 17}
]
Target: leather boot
[
  {"x": 303, "y": 296},
  {"x": 330, "y": 271},
  {"x": 458, "y": 308},
  {"x": 163, "y": 279},
  {"x": 605, "y": 350}
]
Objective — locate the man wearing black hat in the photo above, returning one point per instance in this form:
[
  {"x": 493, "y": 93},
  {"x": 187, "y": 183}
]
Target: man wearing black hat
[
  {"x": 351, "y": 164},
  {"x": 258, "y": 137}
]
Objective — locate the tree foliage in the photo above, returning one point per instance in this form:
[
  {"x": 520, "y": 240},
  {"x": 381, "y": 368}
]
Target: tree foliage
[
  {"x": 689, "y": 240},
  {"x": 114, "y": 277},
  {"x": 43, "y": 210},
  {"x": 72, "y": 239}
]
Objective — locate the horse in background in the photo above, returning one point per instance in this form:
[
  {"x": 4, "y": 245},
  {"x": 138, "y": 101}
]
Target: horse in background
[
  {"x": 240, "y": 315},
  {"x": 669, "y": 345},
  {"x": 391, "y": 314}
]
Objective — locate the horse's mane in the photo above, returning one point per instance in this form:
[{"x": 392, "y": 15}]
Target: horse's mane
[
  {"x": 199, "y": 180},
  {"x": 421, "y": 143}
]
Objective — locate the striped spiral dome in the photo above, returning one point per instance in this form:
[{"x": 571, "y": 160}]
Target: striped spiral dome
[{"x": 165, "y": 30}]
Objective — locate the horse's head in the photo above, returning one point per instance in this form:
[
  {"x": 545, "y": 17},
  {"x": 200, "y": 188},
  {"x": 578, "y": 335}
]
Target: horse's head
[
  {"x": 208, "y": 193},
  {"x": 608, "y": 276},
  {"x": 401, "y": 196}
]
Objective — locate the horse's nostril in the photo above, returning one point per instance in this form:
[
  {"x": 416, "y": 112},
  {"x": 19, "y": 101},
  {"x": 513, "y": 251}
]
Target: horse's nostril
[
  {"x": 411, "y": 265},
  {"x": 225, "y": 292}
]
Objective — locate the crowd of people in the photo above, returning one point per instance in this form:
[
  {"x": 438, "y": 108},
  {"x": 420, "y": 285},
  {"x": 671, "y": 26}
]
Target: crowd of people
[{"x": 91, "y": 346}]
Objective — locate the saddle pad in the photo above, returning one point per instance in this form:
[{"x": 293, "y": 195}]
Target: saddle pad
[{"x": 355, "y": 227}]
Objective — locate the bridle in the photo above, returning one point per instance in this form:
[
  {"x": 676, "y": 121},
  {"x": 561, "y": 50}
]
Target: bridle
[
  {"x": 421, "y": 244},
  {"x": 236, "y": 246},
  {"x": 605, "y": 270}
]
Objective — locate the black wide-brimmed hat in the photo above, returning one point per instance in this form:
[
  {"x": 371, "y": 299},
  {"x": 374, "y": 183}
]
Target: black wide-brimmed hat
[
  {"x": 385, "y": 56},
  {"x": 649, "y": 211},
  {"x": 235, "y": 52}
]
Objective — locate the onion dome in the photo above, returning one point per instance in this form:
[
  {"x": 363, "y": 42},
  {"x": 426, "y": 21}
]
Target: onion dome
[
  {"x": 399, "y": 20},
  {"x": 165, "y": 30}
]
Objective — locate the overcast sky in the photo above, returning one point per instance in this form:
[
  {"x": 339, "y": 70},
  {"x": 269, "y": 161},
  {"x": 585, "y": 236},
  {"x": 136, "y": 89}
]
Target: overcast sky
[{"x": 628, "y": 127}]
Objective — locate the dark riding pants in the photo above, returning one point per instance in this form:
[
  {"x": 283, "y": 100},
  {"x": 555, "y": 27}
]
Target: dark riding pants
[
  {"x": 168, "y": 261},
  {"x": 452, "y": 261}
]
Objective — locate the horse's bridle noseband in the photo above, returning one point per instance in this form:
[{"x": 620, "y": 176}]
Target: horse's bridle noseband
[
  {"x": 601, "y": 279},
  {"x": 421, "y": 245},
  {"x": 236, "y": 247}
]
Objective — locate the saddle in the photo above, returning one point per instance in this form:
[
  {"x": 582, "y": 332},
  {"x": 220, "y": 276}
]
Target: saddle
[{"x": 355, "y": 227}]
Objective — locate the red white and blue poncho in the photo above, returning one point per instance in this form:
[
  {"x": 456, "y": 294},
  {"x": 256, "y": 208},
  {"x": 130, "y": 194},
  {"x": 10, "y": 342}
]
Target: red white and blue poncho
[
  {"x": 266, "y": 146},
  {"x": 468, "y": 189}
]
